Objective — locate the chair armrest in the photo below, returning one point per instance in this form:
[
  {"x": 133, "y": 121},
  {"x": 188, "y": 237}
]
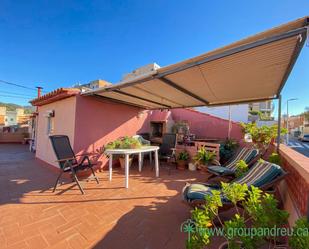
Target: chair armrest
[
  {"x": 216, "y": 162},
  {"x": 65, "y": 159},
  {"x": 85, "y": 154}
]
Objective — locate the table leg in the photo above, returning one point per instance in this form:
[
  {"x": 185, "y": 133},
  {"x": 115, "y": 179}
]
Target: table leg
[
  {"x": 157, "y": 163},
  {"x": 150, "y": 157},
  {"x": 110, "y": 166},
  {"x": 127, "y": 169},
  {"x": 140, "y": 162}
]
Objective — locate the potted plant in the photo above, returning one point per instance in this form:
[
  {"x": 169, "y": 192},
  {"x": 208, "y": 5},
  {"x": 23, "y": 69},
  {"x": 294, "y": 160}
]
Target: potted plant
[
  {"x": 300, "y": 236},
  {"x": 227, "y": 150},
  {"x": 254, "y": 209},
  {"x": 182, "y": 159},
  {"x": 124, "y": 143},
  {"x": 203, "y": 158},
  {"x": 262, "y": 136}
]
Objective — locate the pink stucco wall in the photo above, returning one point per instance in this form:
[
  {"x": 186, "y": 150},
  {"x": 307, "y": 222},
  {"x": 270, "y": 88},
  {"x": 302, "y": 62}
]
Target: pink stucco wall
[
  {"x": 207, "y": 126},
  {"x": 99, "y": 122},
  {"x": 64, "y": 124}
]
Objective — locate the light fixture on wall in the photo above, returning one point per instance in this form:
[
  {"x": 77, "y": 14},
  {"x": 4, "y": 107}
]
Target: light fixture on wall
[{"x": 49, "y": 114}]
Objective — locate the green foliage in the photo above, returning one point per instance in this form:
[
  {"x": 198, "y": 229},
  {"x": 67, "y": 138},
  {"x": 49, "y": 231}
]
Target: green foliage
[
  {"x": 254, "y": 113},
  {"x": 300, "y": 236},
  {"x": 241, "y": 168},
  {"x": 204, "y": 157},
  {"x": 227, "y": 149},
  {"x": 234, "y": 192},
  {"x": 275, "y": 158},
  {"x": 262, "y": 136},
  {"x": 183, "y": 155},
  {"x": 259, "y": 211},
  {"x": 13, "y": 107},
  {"x": 124, "y": 143}
]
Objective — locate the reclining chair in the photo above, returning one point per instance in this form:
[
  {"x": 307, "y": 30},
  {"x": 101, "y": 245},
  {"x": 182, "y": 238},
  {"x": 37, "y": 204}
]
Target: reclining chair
[
  {"x": 262, "y": 174},
  {"x": 250, "y": 156},
  {"x": 67, "y": 161}
]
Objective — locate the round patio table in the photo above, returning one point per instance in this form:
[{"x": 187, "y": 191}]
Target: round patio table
[{"x": 127, "y": 153}]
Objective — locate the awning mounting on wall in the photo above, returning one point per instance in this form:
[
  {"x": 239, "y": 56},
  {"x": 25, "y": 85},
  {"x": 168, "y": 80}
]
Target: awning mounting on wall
[{"x": 250, "y": 70}]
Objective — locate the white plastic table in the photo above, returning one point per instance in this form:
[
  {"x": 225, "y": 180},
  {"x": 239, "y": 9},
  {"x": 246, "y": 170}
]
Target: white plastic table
[{"x": 127, "y": 153}]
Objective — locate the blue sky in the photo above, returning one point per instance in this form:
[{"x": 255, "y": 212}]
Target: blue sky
[{"x": 59, "y": 43}]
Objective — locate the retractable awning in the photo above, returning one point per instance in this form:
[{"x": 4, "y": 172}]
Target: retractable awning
[{"x": 251, "y": 70}]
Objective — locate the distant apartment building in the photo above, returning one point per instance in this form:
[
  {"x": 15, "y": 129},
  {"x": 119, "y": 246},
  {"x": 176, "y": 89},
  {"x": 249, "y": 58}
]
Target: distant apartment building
[
  {"x": 264, "y": 108},
  {"x": 12, "y": 118},
  {"x": 92, "y": 85},
  {"x": 239, "y": 113},
  {"x": 242, "y": 113}
]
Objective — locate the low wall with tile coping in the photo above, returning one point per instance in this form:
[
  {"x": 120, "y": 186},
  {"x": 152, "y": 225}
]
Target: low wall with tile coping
[{"x": 295, "y": 189}]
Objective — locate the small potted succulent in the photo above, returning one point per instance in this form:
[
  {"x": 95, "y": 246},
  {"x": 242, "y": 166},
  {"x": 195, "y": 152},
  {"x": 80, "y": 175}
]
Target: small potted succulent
[
  {"x": 203, "y": 158},
  {"x": 124, "y": 143},
  {"x": 182, "y": 159}
]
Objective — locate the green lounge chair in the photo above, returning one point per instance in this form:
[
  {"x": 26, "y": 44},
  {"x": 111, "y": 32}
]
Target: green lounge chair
[
  {"x": 248, "y": 155},
  {"x": 262, "y": 174}
]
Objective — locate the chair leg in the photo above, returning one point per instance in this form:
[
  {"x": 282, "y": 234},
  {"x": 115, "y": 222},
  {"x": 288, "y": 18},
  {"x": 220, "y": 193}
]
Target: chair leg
[
  {"x": 77, "y": 182},
  {"x": 57, "y": 181},
  {"x": 95, "y": 177},
  {"x": 168, "y": 166}
]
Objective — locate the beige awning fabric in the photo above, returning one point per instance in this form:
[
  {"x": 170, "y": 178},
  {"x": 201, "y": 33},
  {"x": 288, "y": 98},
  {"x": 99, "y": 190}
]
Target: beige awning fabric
[{"x": 251, "y": 70}]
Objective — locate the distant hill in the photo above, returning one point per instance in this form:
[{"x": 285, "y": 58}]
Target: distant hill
[{"x": 12, "y": 107}]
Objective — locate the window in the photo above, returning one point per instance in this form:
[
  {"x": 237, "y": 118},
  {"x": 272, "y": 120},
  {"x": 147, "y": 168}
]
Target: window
[{"x": 50, "y": 125}]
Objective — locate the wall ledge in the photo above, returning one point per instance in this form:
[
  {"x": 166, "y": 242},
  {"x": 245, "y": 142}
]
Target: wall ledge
[{"x": 297, "y": 160}]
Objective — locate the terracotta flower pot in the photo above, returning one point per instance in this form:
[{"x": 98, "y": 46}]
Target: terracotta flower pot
[
  {"x": 181, "y": 164},
  {"x": 122, "y": 162}
]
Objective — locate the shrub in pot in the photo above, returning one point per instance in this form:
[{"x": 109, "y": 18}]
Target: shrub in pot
[
  {"x": 203, "y": 158},
  {"x": 253, "y": 210},
  {"x": 262, "y": 136},
  {"x": 124, "y": 143},
  {"x": 227, "y": 150},
  {"x": 182, "y": 159}
]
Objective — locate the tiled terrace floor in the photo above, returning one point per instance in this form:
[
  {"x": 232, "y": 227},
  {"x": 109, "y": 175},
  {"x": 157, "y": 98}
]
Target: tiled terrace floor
[{"x": 148, "y": 215}]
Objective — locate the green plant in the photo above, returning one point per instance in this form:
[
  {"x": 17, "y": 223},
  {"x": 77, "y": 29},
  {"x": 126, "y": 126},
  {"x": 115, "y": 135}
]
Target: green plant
[
  {"x": 241, "y": 168},
  {"x": 262, "y": 136},
  {"x": 258, "y": 210},
  {"x": 227, "y": 149},
  {"x": 124, "y": 143},
  {"x": 300, "y": 236},
  {"x": 183, "y": 155},
  {"x": 204, "y": 156},
  {"x": 275, "y": 158}
]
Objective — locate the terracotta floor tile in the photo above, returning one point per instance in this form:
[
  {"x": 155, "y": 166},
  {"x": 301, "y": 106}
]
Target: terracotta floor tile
[
  {"x": 147, "y": 215},
  {"x": 37, "y": 242}
]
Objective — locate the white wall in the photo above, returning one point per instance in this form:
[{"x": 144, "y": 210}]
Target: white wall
[
  {"x": 239, "y": 112},
  {"x": 10, "y": 118}
]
